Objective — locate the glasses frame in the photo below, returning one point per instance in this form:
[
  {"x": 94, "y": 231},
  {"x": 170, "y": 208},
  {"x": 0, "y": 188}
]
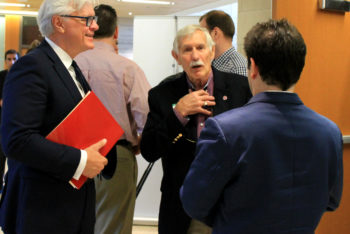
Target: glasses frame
[{"x": 89, "y": 19}]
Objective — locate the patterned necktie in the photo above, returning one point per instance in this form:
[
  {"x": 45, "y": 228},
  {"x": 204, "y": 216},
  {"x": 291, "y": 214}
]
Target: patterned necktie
[{"x": 80, "y": 77}]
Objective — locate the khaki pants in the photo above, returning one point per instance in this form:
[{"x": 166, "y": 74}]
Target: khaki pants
[
  {"x": 115, "y": 198},
  {"x": 197, "y": 227}
]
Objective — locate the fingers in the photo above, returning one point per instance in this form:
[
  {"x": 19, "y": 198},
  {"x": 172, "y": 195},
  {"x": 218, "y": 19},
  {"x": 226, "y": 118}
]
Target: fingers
[
  {"x": 104, "y": 161},
  {"x": 208, "y": 104},
  {"x": 98, "y": 145}
]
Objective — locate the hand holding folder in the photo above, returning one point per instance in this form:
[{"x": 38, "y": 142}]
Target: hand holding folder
[
  {"x": 88, "y": 123},
  {"x": 95, "y": 162}
]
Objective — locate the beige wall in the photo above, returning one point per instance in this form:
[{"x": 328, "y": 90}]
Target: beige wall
[{"x": 249, "y": 13}]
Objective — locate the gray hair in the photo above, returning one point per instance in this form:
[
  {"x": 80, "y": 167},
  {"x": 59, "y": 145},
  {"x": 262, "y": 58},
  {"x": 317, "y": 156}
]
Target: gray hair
[
  {"x": 50, "y": 8},
  {"x": 189, "y": 30}
]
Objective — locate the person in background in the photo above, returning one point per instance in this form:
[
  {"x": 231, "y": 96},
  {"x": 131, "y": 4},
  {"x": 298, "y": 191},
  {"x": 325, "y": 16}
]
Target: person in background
[
  {"x": 273, "y": 165},
  {"x": 41, "y": 89},
  {"x": 11, "y": 56},
  {"x": 179, "y": 106},
  {"x": 122, "y": 87},
  {"x": 222, "y": 30},
  {"x": 35, "y": 43}
]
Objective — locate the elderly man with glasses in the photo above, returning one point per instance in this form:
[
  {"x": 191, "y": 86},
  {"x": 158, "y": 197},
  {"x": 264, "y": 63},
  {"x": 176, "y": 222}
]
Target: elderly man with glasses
[{"x": 40, "y": 90}]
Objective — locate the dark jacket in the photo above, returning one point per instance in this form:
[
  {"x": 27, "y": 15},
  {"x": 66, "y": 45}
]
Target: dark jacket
[{"x": 163, "y": 127}]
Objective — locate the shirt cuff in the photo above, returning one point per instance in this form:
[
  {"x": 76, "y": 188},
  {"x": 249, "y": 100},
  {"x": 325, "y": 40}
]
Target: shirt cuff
[
  {"x": 81, "y": 166},
  {"x": 183, "y": 120}
]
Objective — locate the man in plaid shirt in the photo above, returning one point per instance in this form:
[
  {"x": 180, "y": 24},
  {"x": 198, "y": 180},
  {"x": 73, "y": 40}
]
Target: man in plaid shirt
[{"x": 222, "y": 30}]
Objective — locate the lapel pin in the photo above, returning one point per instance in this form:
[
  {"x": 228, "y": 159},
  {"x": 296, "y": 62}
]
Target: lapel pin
[{"x": 224, "y": 98}]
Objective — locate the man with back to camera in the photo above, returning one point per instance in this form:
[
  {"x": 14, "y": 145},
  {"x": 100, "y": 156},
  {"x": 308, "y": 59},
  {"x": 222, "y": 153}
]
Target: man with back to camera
[
  {"x": 40, "y": 90},
  {"x": 179, "y": 106},
  {"x": 222, "y": 29},
  {"x": 123, "y": 88},
  {"x": 278, "y": 169}
]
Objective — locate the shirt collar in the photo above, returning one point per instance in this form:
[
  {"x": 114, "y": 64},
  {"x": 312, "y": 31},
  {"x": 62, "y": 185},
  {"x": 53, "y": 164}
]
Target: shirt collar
[
  {"x": 225, "y": 54},
  {"x": 64, "y": 57},
  {"x": 209, "y": 83}
]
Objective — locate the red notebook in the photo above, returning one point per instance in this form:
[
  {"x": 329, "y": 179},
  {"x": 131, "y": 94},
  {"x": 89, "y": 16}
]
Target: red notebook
[{"x": 85, "y": 125}]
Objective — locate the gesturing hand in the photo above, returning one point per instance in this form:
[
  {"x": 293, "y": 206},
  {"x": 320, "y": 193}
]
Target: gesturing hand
[
  {"x": 194, "y": 103},
  {"x": 95, "y": 161}
]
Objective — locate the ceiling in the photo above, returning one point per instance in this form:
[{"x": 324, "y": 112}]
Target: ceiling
[{"x": 123, "y": 8}]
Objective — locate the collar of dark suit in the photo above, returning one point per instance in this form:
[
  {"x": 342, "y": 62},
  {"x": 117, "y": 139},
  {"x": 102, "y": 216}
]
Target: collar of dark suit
[
  {"x": 60, "y": 69},
  {"x": 276, "y": 97}
]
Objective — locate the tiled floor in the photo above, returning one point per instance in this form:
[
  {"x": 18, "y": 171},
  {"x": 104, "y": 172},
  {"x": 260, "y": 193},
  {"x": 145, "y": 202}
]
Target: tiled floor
[{"x": 137, "y": 229}]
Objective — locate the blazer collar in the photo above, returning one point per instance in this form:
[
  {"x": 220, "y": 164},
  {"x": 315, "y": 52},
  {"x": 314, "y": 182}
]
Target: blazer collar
[
  {"x": 222, "y": 93},
  {"x": 61, "y": 70},
  {"x": 276, "y": 97}
]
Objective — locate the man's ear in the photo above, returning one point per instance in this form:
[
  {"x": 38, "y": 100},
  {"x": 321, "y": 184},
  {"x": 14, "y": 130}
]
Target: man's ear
[
  {"x": 57, "y": 23},
  {"x": 254, "y": 70},
  {"x": 215, "y": 33},
  {"x": 116, "y": 33},
  {"x": 176, "y": 56}
]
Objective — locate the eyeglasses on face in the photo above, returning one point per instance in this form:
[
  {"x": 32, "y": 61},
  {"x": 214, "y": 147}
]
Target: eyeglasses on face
[{"x": 89, "y": 19}]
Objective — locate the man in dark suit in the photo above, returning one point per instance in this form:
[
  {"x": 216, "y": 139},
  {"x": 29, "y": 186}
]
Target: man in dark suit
[
  {"x": 11, "y": 56},
  {"x": 40, "y": 90},
  {"x": 179, "y": 106},
  {"x": 273, "y": 165}
]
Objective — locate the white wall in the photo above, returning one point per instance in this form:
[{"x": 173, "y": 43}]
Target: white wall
[
  {"x": 2, "y": 41},
  {"x": 228, "y": 6}
]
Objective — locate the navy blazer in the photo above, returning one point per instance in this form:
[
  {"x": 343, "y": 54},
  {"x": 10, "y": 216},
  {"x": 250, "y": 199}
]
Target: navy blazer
[
  {"x": 273, "y": 166},
  {"x": 163, "y": 127},
  {"x": 37, "y": 198}
]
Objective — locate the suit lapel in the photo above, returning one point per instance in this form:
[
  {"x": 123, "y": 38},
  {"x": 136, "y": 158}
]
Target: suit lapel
[
  {"x": 61, "y": 71},
  {"x": 181, "y": 87},
  {"x": 222, "y": 94}
]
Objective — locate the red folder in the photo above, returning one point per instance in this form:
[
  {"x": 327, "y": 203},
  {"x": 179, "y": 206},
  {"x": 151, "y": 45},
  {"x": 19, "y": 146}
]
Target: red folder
[{"x": 85, "y": 125}]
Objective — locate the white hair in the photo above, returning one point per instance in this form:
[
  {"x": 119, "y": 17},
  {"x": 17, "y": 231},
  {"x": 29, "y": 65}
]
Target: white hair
[
  {"x": 50, "y": 8},
  {"x": 189, "y": 30}
]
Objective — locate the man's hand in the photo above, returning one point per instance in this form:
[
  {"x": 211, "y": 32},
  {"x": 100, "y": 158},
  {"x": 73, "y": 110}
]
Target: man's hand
[
  {"x": 95, "y": 161},
  {"x": 136, "y": 149},
  {"x": 194, "y": 103}
]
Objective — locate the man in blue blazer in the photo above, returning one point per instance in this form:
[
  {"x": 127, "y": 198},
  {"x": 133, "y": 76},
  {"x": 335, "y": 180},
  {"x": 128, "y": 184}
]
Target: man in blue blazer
[
  {"x": 273, "y": 165},
  {"x": 179, "y": 106},
  {"x": 40, "y": 90}
]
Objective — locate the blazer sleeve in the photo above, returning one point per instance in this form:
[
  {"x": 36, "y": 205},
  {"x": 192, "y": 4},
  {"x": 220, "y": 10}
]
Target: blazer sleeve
[
  {"x": 336, "y": 181},
  {"x": 210, "y": 171},
  {"x": 163, "y": 132},
  {"x": 28, "y": 101}
]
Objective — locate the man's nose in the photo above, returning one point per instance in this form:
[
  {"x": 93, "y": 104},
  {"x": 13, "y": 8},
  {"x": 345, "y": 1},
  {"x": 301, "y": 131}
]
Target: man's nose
[
  {"x": 195, "y": 55},
  {"x": 94, "y": 26}
]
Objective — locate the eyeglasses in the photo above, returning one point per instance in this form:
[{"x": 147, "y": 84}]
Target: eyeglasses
[{"x": 88, "y": 19}]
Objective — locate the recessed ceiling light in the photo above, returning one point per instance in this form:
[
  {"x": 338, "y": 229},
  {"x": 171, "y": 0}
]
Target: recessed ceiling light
[
  {"x": 147, "y": 2},
  {"x": 6, "y": 12},
  {"x": 130, "y": 13},
  {"x": 12, "y": 4}
]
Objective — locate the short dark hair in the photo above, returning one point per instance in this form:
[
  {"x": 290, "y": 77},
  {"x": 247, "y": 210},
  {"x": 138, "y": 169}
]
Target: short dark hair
[
  {"x": 107, "y": 21},
  {"x": 11, "y": 51},
  {"x": 278, "y": 50},
  {"x": 221, "y": 20}
]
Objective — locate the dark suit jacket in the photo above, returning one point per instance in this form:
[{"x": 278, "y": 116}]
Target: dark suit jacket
[
  {"x": 37, "y": 198},
  {"x": 161, "y": 129},
  {"x": 3, "y": 75},
  {"x": 275, "y": 166}
]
